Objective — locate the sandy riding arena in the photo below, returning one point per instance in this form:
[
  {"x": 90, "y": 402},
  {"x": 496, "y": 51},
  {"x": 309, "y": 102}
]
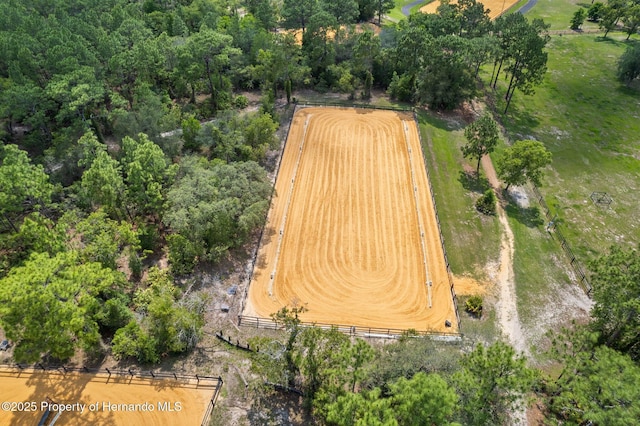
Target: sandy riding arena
[
  {"x": 496, "y": 7},
  {"x": 351, "y": 233},
  {"x": 96, "y": 399}
]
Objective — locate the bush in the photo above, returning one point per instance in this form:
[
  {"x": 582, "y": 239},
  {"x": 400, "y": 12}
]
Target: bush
[
  {"x": 629, "y": 65},
  {"x": 401, "y": 88},
  {"x": 594, "y": 13},
  {"x": 183, "y": 254},
  {"x": 473, "y": 305},
  {"x": 132, "y": 341},
  {"x": 241, "y": 102},
  {"x": 487, "y": 203}
]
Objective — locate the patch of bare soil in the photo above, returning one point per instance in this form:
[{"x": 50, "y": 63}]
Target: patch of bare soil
[{"x": 467, "y": 286}]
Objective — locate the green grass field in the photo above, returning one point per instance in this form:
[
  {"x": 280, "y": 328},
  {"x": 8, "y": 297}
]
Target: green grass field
[
  {"x": 471, "y": 239},
  {"x": 590, "y": 122},
  {"x": 558, "y": 13}
]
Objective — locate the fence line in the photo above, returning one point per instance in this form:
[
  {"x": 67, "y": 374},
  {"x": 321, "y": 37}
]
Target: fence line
[
  {"x": 583, "y": 281},
  {"x": 348, "y": 104},
  {"x": 202, "y": 381},
  {"x": 257, "y": 250},
  {"x": 435, "y": 209},
  {"x": 352, "y": 330},
  {"x": 244, "y": 320}
]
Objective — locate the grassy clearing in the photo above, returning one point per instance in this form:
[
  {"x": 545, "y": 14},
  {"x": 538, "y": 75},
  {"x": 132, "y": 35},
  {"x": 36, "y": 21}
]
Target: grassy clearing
[
  {"x": 472, "y": 240},
  {"x": 558, "y": 13},
  {"x": 590, "y": 122},
  {"x": 539, "y": 265}
]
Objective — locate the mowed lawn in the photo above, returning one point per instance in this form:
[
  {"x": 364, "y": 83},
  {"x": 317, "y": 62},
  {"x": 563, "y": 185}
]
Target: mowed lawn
[
  {"x": 471, "y": 239},
  {"x": 591, "y": 124}
]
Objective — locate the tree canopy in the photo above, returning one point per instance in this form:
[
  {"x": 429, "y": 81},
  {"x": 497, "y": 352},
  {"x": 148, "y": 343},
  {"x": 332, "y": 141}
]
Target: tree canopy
[
  {"x": 616, "y": 292},
  {"x": 482, "y": 137},
  {"x": 523, "y": 162}
]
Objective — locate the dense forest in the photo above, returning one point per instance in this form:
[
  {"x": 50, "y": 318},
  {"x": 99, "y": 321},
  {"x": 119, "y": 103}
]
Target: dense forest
[{"x": 127, "y": 134}]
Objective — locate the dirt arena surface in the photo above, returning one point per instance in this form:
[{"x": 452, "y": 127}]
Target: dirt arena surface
[
  {"x": 188, "y": 401},
  {"x": 496, "y": 7},
  {"x": 343, "y": 236}
]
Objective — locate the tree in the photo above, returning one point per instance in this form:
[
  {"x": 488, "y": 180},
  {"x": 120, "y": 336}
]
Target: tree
[
  {"x": 317, "y": 356},
  {"x": 345, "y": 11},
  {"x": 207, "y": 55},
  {"x": 608, "y": 19},
  {"x": 482, "y": 137},
  {"x": 598, "y": 385},
  {"x": 190, "y": 129},
  {"x": 316, "y": 42},
  {"x": 474, "y": 19},
  {"x": 174, "y": 324},
  {"x": 146, "y": 174},
  {"x": 445, "y": 79},
  {"x": 366, "y": 10},
  {"x": 100, "y": 239},
  {"x": 486, "y": 204},
  {"x": 132, "y": 341},
  {"x": 629, "y": 64},
  {"x": 594, "y": 13},
  {"x": 491, "y": 383},
  {"x": 49, "y": 305},
  {"x": 289, "y": 318},
  {"x": 578, "y": 19},
  {"x": 23, "y": 186},
  {"x": 360, "y": 409},
  {"x": 616, "y": 292},
  {"x": 423, "y": 400},
  {"x": 408, "y": 356},
  {"x": 381, "y": 7},
  {"x": 101, "y": 184},
  {"x": 631, "y": 19},
  {"x": 260, "y": 135},
  {"x": 296, "y": 13},
  {"x": 522, "y": 162},
  {"x": 529, "y": 60},
  {"x": 215, "y": 206}
]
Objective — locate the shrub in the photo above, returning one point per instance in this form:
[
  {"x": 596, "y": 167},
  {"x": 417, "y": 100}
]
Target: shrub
[
  {"x": 241, "y": 102},
  {"x": 487, "y": 203},
  {"x": 629, "y": 65},
  {"x": 473, "y": 305}
]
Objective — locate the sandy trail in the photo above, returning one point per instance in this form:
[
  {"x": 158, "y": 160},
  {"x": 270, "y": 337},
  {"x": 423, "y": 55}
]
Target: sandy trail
[{"x": 507, "y": 306}]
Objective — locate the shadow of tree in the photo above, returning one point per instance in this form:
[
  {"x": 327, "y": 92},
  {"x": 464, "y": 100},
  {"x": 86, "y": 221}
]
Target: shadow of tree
[
  {"x": 472, "y": 182},
  {"x": 528, "y": 216}
]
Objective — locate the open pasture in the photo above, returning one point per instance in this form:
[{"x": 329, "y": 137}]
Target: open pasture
[{"x": 352, "y": 233}]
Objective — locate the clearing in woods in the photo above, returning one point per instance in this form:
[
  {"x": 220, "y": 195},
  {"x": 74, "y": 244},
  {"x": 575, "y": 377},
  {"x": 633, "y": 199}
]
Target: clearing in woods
[{"x": 352, "y": 233}]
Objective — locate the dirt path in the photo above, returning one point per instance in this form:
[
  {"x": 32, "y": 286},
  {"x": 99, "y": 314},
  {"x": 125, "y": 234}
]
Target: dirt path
[{"x": 507, "y": 306}]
